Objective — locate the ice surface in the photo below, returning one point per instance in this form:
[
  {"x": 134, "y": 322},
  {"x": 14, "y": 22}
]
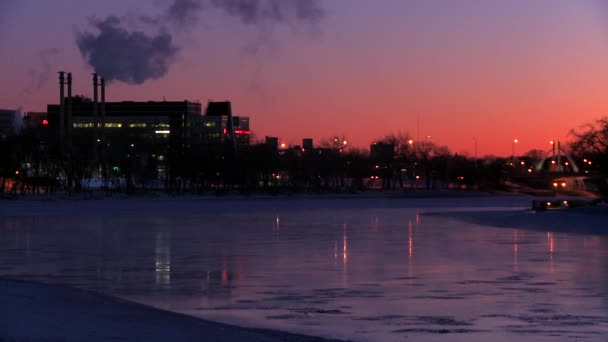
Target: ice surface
[
  {"x": 41, "y": 312},
  {"x": 359, "y": 269}
]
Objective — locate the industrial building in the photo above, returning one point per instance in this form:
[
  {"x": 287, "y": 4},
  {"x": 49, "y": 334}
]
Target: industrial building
[
  {"x": 80, "y": 120},
  {"x": 219, "y": 125},
  {"x": 35, "y": 120},
  {"x": 134, "y": 121},
  {"x": 153, "y": 134},
  {"x": 7, "y": 122}
]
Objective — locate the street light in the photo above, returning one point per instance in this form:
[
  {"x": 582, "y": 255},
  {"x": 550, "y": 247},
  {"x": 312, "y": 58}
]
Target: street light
[
  {"x": 475, "y": 141},
  {"x": 515, "y": 141}
]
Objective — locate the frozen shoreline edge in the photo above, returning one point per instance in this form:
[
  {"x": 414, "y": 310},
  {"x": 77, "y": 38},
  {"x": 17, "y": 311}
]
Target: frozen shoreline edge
[
  {"x": 44, "y": 312},
  {"x": 40, "y": 207},
  {"x": 402, "y": 193},
  {"x": 584, "y": 220}
]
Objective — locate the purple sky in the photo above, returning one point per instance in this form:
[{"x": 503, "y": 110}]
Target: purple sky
[{"x": 477, "y": 69}]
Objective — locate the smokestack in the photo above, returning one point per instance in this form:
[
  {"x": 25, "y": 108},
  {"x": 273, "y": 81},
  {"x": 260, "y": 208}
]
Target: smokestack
[
  {"x": 95, "y": 110},
  {"x": 68, "y": 126},
  {"x": 61, "y": 123},
  {"x": 103, "y": 105}
]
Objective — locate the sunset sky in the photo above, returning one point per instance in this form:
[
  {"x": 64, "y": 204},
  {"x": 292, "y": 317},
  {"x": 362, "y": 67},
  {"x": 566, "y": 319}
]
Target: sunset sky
[{"x": 464, "y": 70}]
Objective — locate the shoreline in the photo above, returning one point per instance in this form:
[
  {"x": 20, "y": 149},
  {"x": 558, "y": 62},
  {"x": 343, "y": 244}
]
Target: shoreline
[
  {"x": 399, "y": 193},
  {"x": 74, "y": 206},
  {"x": 44, "y": 312},
  {"x": 582, "y": 220}
]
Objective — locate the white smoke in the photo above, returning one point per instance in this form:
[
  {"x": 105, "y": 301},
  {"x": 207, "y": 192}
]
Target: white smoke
[
  {"x": 18, "y": 120},
  {"x": 119, "y": 52}
]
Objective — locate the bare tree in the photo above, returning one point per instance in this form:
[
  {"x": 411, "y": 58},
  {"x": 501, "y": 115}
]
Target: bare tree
[{"x": 591, "y": 143}]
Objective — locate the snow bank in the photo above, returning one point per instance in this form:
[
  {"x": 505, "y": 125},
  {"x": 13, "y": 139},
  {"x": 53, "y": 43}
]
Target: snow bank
[
  {"x": 39, "y": 312},
  {"x": 587, "y": 220}
]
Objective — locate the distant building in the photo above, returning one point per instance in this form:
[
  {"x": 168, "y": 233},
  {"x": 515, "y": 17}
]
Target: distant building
[
  {"x": 7, "y": 122},
  {"x": 219, "y": 125},
  {"x": 242, "y": 133},
  {"x": 211, "y": 129},
  {"x": 219, "y": 109},
  {"x": 307, "y": 144},
  {"x": 273, "y": 143},
  {"x": 382, "y": 152},
  {"x": 152, "y": 131},
  {"x": 35, "y": 119},
  {"x": 148, "y": 121},
  {"x": 35, "y": 125}
]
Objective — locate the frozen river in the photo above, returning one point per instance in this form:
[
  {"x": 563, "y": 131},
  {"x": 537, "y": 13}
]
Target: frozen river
[{"x": 357, "y": 269}]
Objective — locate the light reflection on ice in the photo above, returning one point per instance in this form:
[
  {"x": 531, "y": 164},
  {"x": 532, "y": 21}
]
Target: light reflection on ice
[
  {"x": 162, "y": 253},
  {"x": 362, "y": 273}
]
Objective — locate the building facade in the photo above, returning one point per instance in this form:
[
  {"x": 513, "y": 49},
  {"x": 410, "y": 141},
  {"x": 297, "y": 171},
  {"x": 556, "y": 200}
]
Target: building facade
[
  {"x": 131, "y": 122},
  {"x": 8, "y": 119},
  {"x": 218, "y": 125}
]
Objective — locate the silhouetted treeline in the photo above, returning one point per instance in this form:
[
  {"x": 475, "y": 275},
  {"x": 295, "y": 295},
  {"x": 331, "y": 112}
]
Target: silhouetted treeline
[{"x": 32, "y": 163}]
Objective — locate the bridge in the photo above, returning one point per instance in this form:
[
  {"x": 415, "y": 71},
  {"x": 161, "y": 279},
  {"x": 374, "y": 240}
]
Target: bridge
[{"x": 554, "y": 157}]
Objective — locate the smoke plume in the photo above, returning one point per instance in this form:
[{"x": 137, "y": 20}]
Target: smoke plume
[
  {"x": 18, "y": 120},
  {"x": 39, "y": 76},
  {"x": 183, "y": 12},
  {"x": 128, "y": 56},
  {"x": 259, "y": 12},
  {"x": 119, "y": 51}
]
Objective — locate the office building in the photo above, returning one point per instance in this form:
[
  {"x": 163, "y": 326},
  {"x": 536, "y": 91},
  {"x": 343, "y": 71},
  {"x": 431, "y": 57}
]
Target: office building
[
  {"x": 219, "y": 125},
  {"x": 8, "y": 118}
]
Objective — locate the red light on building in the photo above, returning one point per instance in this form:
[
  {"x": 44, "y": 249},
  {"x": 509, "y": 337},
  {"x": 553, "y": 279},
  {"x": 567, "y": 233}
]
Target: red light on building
[
  {"x": 241, "y": 131},
  {"x": 225, "y": 131},
  {"x": 45, "y": 122}
]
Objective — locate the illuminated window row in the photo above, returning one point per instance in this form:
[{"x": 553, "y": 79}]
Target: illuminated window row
[
  {"x": 91, "y": 125},
  {"x": 118, "y": 125}
]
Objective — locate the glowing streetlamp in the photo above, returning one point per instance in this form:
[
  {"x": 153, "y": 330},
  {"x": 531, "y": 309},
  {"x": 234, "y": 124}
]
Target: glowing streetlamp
[
  {"x": 475, "y": 141},
  {"x": 515, "y": 141}
]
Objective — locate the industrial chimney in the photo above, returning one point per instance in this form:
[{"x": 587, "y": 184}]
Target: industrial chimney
[
  {"x": 61, "y": 123},
  {"x": 68, "y": 121},
  {"x": 103, "y": 105},
  {"x": 95, "y": 109}
]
